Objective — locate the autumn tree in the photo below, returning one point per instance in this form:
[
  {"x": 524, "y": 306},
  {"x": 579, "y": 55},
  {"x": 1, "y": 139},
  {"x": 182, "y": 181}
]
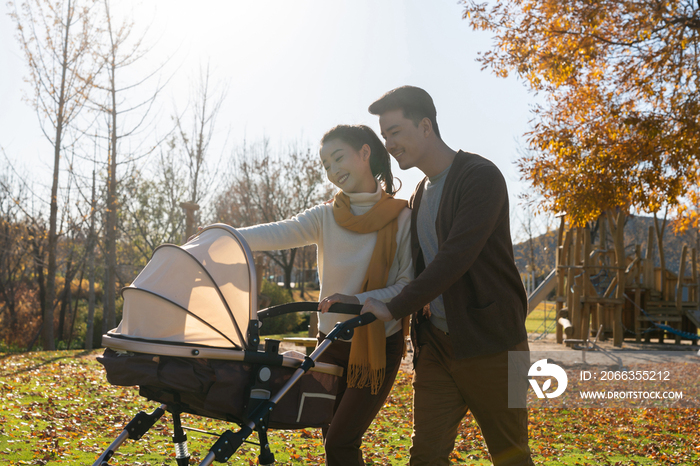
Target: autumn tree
[
  {"x": 194, "y": 130},
  {"x": 267, "y": 187},
  {"x": 15, "y": 255},
  {"x": 691, "y": 209},
  {"x": 55, "y": 36},
  {"x": 620, "y": 122},
  {"x": 90, "y": 245},
  {"x": 23, "y": 257},
  {"x": 124, "y": 119},
  {"x": 533, "y": 251},
  {"x": 689, "y": 220},
  {"x": 151, "y": 207},
  {"x": 305, "y": 260}
]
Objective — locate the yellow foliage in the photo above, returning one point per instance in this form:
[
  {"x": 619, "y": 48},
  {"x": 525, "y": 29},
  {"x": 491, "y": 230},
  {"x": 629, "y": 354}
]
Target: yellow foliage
[
  {"x": 620, "y": 127},
  {"x": 78, "y": 290}
]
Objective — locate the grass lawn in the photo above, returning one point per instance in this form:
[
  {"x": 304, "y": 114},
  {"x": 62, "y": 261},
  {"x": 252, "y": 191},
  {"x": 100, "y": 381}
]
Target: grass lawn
[
  {"x": 541, "y": 318},
  {"x": 309, "y": 295},
  {"x": 57, "y": 408}
]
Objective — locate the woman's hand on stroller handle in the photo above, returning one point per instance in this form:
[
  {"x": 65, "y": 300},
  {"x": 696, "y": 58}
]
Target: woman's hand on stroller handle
[
  {"x": 325, "y": 304},
  {"x": 378, "y": 308}
]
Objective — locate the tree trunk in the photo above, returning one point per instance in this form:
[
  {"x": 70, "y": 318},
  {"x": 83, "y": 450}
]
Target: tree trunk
[
  {"x": 697, "y": 273},
  {"x": 75, "y": 310},
  {"x": 303, "y": 274},
  {"x": 49, "y": 343},
  {"x": 67, "y": 297},
  {"x": 48, "y": 336},
  {"x": 40, "y": 278},
  {"x": 662, "y": 257},
  {"x": 36, "y": 337},
  {"x": 90, "y": 331},
  {"x": 109, "y": 296},
  {"x": 288, "y": 277},
  {"x": 91, "y": 271},
  {"x": 8, "y": 302},
  {"x": 288, "y": 268},
  {"x": 8, "y": 292}
]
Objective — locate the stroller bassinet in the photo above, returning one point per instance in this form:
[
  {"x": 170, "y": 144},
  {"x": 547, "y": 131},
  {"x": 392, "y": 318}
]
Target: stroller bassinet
[{"x": 189, "y": 339}]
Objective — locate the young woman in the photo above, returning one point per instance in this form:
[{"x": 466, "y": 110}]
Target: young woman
[{"x": 363, "y": 241}]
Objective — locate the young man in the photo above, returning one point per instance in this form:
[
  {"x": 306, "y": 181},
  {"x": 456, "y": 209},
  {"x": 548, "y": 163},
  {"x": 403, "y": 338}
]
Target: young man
[{"x": 465, "y": 272}]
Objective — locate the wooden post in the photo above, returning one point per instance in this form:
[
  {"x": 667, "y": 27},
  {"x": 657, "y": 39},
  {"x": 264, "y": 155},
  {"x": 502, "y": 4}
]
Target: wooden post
[
  {"x": 679, "y": 290},
  {"x": 313, "y": 325},
  {"x": 681, "y": 276},
  {"x": 566, "y": 326},
  {"x": 577, "y": 314},
  {"x": 618, "y": 226},
  {"x": 696, "y": 286},
  {"x": 694, "y": 272},
  {"x": 638, "y": 292},
  {"x": 637, "y": 269},
  {"x": 649, "y": 262},
  {"x": 576, "y": 283},
  {"x": 637, "y": 305},
  {"x": 609, "y": 312},
  {"x": 586, "y": 285},
  {"x": 189, "y": 208},
  {"x": 570, "y": 275},
  {"x": 600, "y": 314},
  {"x": 561, "y": 284}
]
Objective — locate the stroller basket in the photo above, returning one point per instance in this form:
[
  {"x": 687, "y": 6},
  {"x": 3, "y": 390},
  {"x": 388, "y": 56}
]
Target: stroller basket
[{"x": 189, "y": 339}]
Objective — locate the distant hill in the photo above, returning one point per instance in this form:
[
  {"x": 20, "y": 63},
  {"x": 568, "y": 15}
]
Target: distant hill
[{"x": 543, "y": 247}]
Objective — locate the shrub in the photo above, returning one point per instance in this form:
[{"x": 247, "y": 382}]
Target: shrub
[
  {"x": 20, "y": 331},
  {"x": 75, "y": 286},
  {"x": 286, "y": 323},
  {"x": 276, "y": 293}
]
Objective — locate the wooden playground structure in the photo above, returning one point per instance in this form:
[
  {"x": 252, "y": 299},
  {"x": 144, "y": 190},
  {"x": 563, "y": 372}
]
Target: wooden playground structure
[{"x": 602, "y": 291}]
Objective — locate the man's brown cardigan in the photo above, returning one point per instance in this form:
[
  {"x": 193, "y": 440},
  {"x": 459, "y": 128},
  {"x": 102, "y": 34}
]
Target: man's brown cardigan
[{"x": 474, "y": 269}]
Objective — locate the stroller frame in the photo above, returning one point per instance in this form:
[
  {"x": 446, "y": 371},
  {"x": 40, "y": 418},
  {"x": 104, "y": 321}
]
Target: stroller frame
[
  {"x": 229, "y": 442},
  {"x": 260, "y": 402}
]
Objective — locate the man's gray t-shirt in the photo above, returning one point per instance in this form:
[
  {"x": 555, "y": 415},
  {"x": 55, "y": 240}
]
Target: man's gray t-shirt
[{"x": 427, "y": 236}]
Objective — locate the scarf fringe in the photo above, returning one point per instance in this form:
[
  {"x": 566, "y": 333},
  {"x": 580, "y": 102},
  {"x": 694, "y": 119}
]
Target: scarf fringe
[{"x": 361, "y": 376}]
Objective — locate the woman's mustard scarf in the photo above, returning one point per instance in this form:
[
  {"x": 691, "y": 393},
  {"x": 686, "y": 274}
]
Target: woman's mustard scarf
[{"x": 367, "y": 364}]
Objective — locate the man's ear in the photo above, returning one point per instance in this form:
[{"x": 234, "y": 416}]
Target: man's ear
[{"x": 426, "y": 126}]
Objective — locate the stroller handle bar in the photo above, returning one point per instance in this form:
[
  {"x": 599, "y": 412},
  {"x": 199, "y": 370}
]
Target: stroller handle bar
[{"x": 308, "y": 306}]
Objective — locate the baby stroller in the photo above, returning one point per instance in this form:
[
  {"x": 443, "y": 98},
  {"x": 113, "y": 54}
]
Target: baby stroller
[{"x": 189, "y": 338}]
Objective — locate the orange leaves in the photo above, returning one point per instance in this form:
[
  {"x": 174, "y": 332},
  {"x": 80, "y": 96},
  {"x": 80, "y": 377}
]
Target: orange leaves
[
  {"x": 621, "y": 126},
  {"x": 58, "y": 409}
]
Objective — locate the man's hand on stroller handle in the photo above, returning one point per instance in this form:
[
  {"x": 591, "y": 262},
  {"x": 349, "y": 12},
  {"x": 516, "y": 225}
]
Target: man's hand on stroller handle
[
  {"x": 325, "y": 304},
  {"x": 377, "y": 308}
]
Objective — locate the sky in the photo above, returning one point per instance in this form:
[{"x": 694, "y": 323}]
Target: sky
[{"x": 295, "y": 69}]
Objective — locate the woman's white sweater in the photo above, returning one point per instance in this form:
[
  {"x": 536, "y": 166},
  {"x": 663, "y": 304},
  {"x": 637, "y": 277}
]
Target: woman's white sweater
[{"x": 343, "y": 255}]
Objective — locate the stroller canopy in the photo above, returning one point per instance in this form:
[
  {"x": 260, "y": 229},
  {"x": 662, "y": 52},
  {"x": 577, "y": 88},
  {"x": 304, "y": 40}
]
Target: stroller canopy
[{"x": 201, "y": 293}]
